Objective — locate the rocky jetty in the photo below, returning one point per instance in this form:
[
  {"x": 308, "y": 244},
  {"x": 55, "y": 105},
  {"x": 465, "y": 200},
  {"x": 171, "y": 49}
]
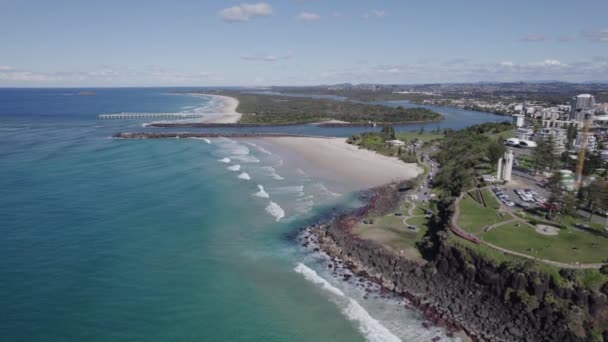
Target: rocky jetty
[{"x": 168, "y": 135}]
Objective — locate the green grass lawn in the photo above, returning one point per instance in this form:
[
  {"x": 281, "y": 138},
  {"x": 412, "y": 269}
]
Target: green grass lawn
[
  {"x": 571, "y": 245},
  {"x": 591, "y": 279},
  {"x": 390, "y": 231},
  {"x": 474, "y": 217},
  {"x": 491, "y": 200},
  {"x": 424, "y": 137},
  {"x": 502, "y": 135},
  {"x": 421, "y": 208}
]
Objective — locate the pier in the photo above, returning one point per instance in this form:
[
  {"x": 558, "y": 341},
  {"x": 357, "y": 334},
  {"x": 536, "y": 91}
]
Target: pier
[{"x": 150, "y": 116}]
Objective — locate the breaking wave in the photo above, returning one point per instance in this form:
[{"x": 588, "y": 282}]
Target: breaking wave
[
  {"x": 272, "y": 172},
  {"x": 275, "y": 210},
  {"x": 225, "y": 160},
  {"x": 373, "y": 330},
  {"x": 244, "y": 176},
  {"x": 261, "y": 193},
  {"x": 235, "y": 168},
  {"x": 298, "y": 190}
]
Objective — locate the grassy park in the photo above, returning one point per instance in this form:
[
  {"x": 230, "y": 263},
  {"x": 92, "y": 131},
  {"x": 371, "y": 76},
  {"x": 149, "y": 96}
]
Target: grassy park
[
  {"x": 517, "y": 233},
  {"x": 570, "y": 245},
  {"x": 390, "y": 230},
  {"x": 474, "y": 216}
]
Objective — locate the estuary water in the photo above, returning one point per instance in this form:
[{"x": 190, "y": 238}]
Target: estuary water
[{"x": 169, "y": 240}]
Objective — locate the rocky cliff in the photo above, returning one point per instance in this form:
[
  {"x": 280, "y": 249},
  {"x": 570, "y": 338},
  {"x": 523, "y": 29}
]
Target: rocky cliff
[{"x": 490, "y": 302}]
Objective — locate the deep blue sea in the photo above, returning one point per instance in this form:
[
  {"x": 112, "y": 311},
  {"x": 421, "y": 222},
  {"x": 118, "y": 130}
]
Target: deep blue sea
[{"x": 168, "y": 240}]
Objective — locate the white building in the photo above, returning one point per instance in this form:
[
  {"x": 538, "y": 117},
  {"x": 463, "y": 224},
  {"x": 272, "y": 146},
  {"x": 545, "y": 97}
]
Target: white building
[
  {"x": 559, "y": 136},
  {"x": 518, "y": 120},
  {"x": 581, "y": 105},
  {"x": 505, "y": 166},
  {"x": 561, "y": 123},
  {"x": 591, "y": 141},
  {"x": 604, "y": 155},
  {"x": 524, "y": 133},
  {"x": 395, "y": 142}
]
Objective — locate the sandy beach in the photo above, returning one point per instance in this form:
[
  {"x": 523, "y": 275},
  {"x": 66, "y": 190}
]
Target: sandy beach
[
  {"x": 334, "y": 158},
  {"x": 226, "y": 113}
]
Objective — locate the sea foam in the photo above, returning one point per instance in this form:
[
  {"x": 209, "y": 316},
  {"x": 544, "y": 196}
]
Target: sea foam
[
  {"x": 235, "y": 168},
  {"x": 298, "y": 190},
  {"x": 261, "y": 193},
  {"x": 246, "y": 158},
  {"x": 225, "y": 160},
  {"x": 272, "y": 172},
  {"x": 275, "y": 210},
  {"x": 373, "y": 330},
  {"x": 244, "y": 176},
  {"x": 205, "y": 139}
]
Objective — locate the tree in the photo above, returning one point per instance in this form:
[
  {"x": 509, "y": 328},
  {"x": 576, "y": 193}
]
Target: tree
[
  {"x": 389, "y": 130},
  {"x": 593, "y": 162},
  {"x": 561, "y": 199},
  {"x": 544, "y": 156},
  {"x": 496, "y": 149},
  {"x": 572, "y": 131},
  {"x": 595, "y": 196}
]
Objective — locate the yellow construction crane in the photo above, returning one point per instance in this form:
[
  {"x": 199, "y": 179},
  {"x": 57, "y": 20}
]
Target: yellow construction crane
[{"x": 583, "y": 151}]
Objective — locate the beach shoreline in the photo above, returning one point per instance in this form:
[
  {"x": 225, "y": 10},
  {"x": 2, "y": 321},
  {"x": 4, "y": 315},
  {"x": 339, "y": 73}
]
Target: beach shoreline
[
  {"x": 335, "y": 159},
  {"x": 229, "y": 114}
]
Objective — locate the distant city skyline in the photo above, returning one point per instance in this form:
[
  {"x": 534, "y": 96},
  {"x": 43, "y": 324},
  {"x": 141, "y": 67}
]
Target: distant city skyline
[{"x": 299, "y": 42}]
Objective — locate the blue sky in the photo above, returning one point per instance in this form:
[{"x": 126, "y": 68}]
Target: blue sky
[{"x": 299, "y": 42}]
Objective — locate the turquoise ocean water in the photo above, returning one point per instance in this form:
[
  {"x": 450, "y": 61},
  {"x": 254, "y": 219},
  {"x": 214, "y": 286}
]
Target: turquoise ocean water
[{"x": 168, "y": 240}]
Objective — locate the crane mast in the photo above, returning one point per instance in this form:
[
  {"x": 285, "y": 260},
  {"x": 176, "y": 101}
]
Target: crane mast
[{"x": 583, "y": 151}]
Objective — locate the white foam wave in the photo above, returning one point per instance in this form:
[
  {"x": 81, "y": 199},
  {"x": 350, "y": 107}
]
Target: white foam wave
[
  {"x": 205, "y": 139},
  {"x": 272, "y": 172},
  {"x": 305, "y": 205},
  {"x": 261, "y": 193},
  {"x": 229, "y": 147},
  {"x": 298, "y": 190},
  {"x": 373, "y": 330},
  {"x": 244, "y": 176},
  {"x": 235, "y": 168},
  {"x": 225, "y": 160},
  {"x": 323, "y": 189},
  {"x": 275, "y": 210},
  {"x": 245, "y": 158}
]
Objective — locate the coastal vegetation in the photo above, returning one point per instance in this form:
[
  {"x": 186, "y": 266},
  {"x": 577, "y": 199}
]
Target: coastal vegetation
[
  {"x": 404, "y": 146},
  {"x": 278, "y": 109},
  {"x": 464, "y": 156}
]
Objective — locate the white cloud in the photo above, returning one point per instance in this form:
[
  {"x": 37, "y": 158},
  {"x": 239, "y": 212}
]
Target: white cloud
[
  {"x": 466, "y": 71},
  {"x": 267, "y": 57},
  {"x": 567, "y": 38},
  {"x": 551, "y": 62},
  {"x": 245, "y": 12},
  {"x": 374, "y": 13},
  {"x": 599, "y": 36},
  {"x": 379, "y": 13},
  {"x": 308, "y": 17},
  {"x": 534, "y": 37}
]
